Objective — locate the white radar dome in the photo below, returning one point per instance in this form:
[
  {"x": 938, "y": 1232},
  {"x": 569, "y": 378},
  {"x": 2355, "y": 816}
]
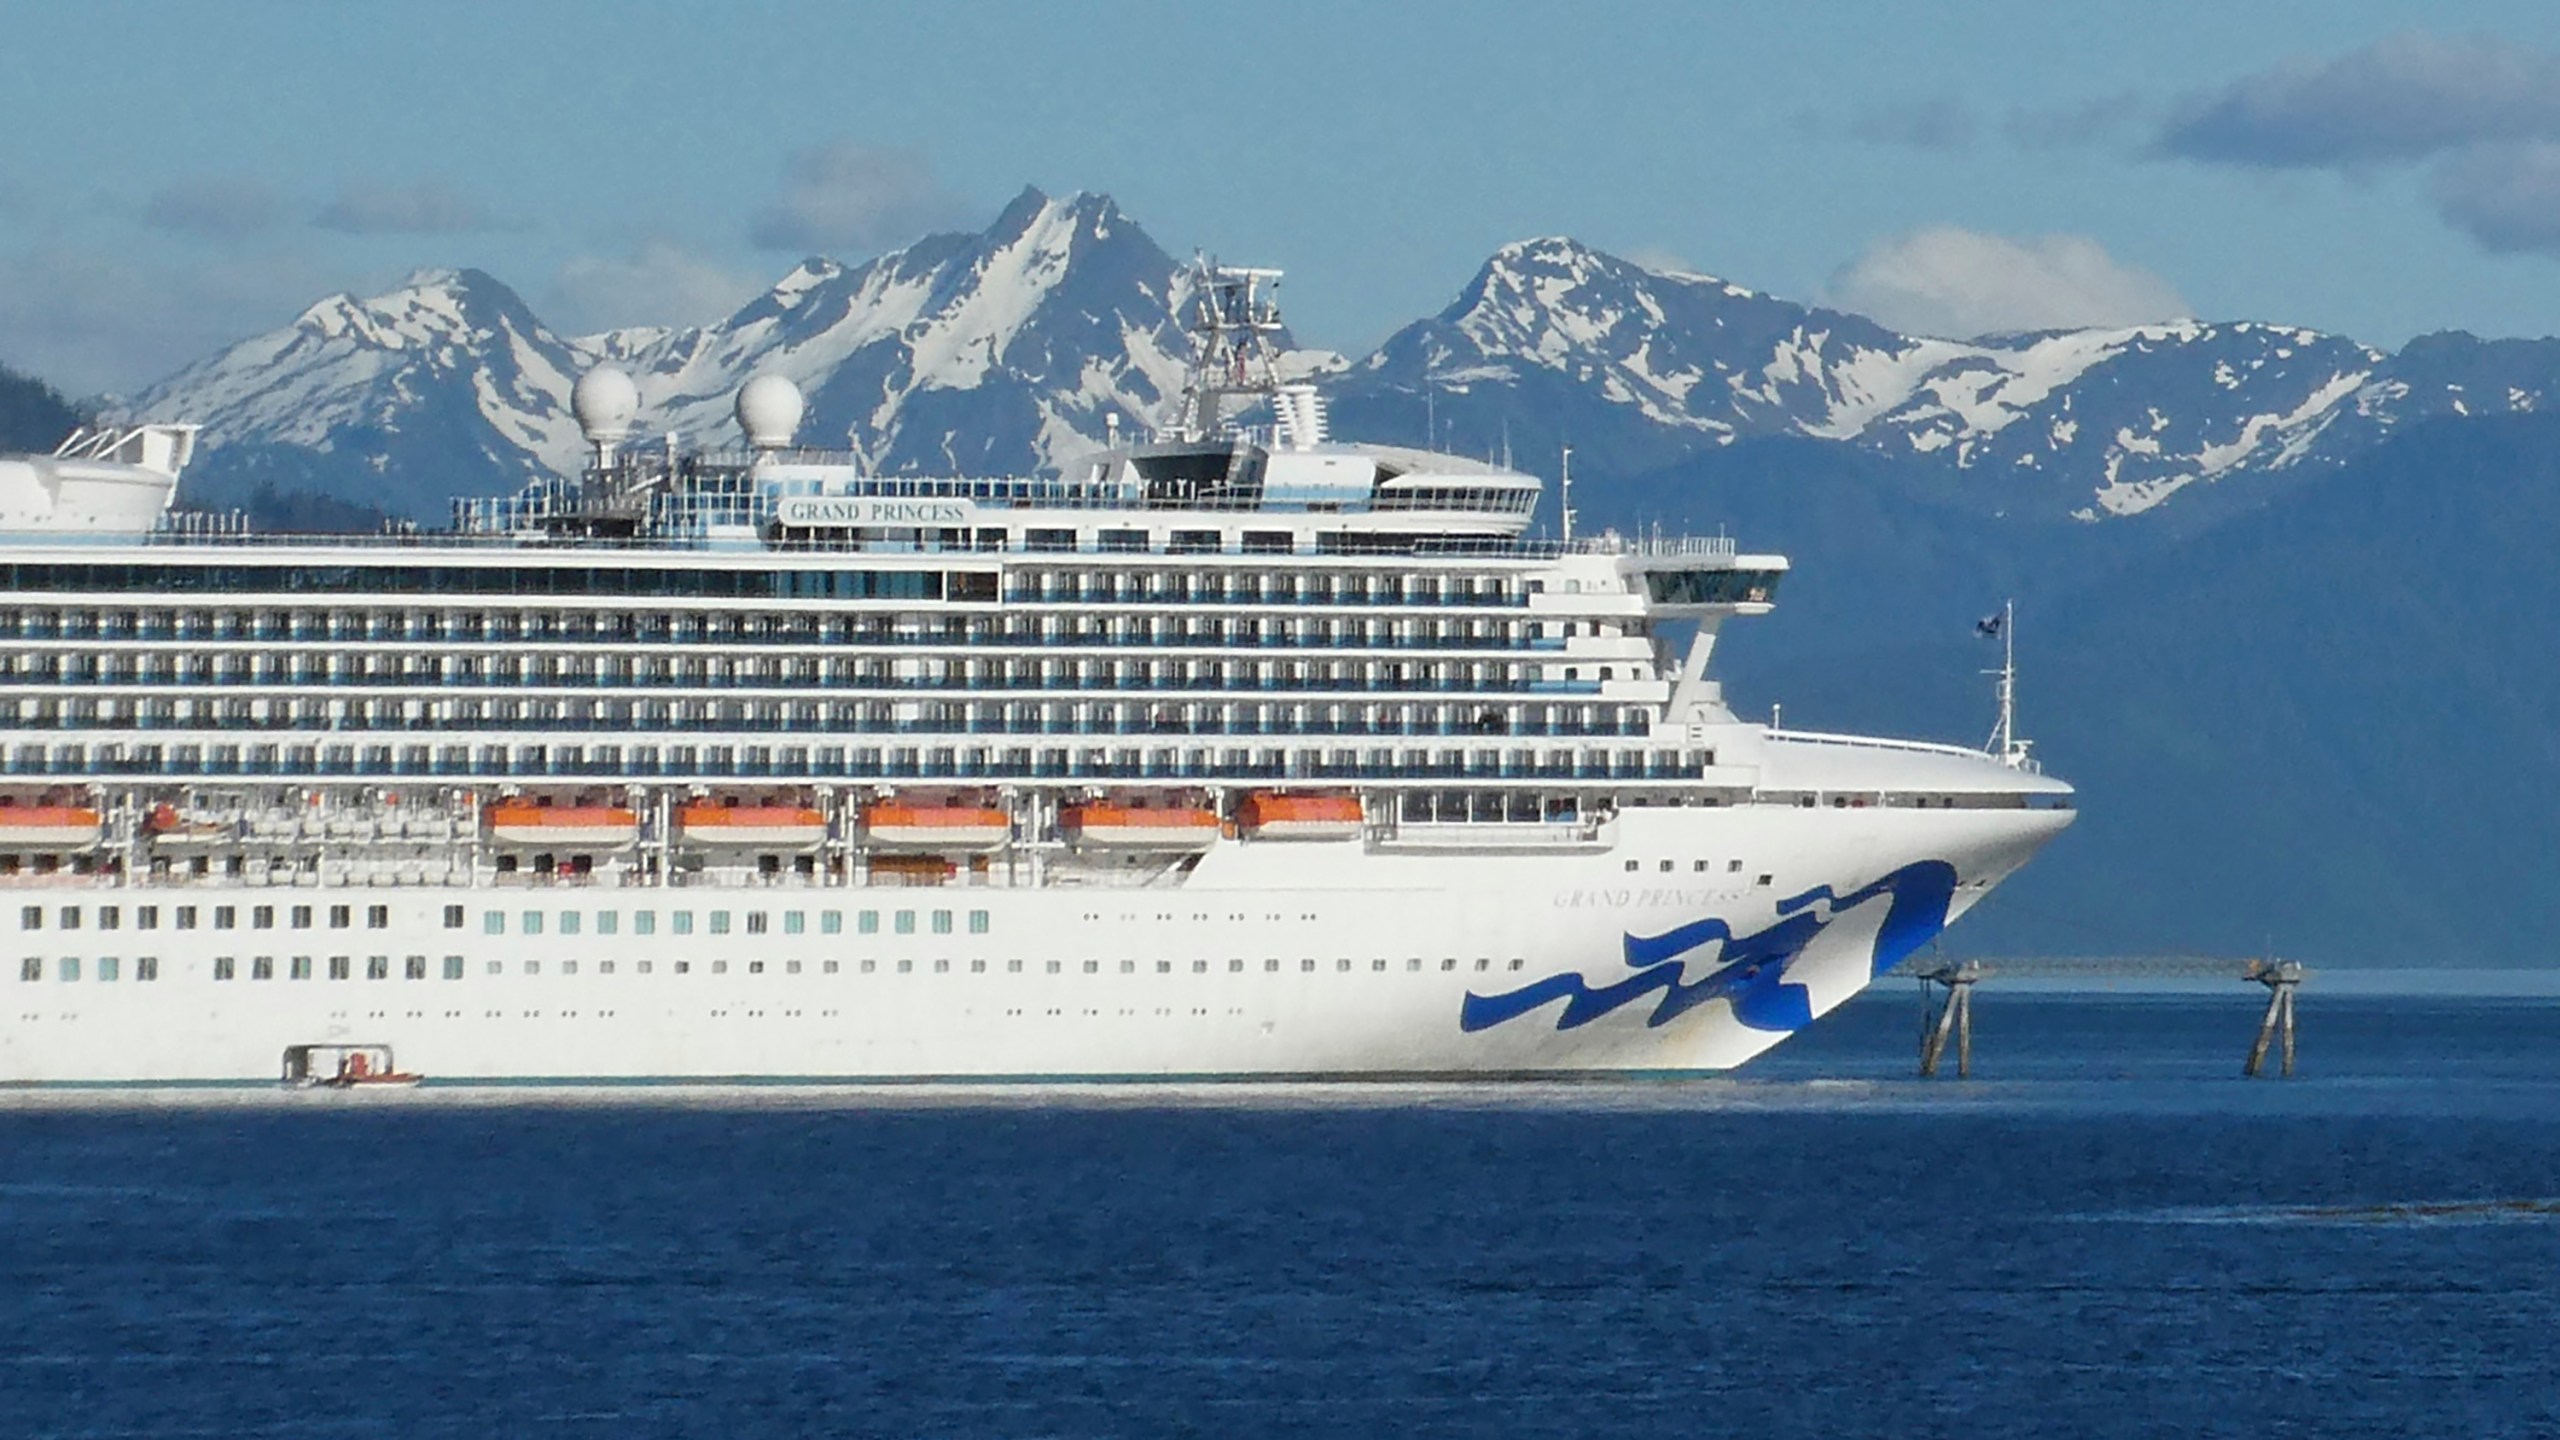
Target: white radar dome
[
  {"x": 769, "y": 409},
  {"x": 606, "y": 402}
]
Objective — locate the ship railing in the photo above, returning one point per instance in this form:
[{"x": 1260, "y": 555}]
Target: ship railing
[{"x": 1874, "y": 742}]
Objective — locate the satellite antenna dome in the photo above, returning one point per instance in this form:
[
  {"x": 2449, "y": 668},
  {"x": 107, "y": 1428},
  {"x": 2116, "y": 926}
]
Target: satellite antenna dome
[
  {"x": 769, "y": 409},
  {"x": 606, "y": 402}
]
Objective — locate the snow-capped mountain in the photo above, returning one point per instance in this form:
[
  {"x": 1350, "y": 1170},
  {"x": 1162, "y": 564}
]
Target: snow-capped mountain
[
  {"x": 1001, "y": 351},
  {"x": 1006, "y": 351},
  {"x": 1574, "y": 345}
]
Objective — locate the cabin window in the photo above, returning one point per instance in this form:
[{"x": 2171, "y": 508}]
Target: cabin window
[
  {"x": 453, "y": 967},
  {"x": 906, "y": 922},
  {"x": 680, "y": 922},
  {"x": 341, "y": 916},
  {"x": 493, "y": 922},
  {"x": 414, "y": 967},
  {"x": 187, "y": 917},
  {"x": 377, "y": 967},
  {"x": 795, "y": 922},
  {"x": 262, "y": 967},
  {"x": 830, "y": 922},
  {"x": 377, "y": 917},
  {"x": 719, "y": 922},
  {"x": 299, "y": 969},
  {"x": 109, "y": 917},
  {"x": 146, "y": 917},
  {"x": 223, "y": 967},
  {"x": 531, "y": 923},
  {"x": 568, "y": 922},
  {"x": 146, "y": 967},
  {"x": 868, "y": 922},
  {"x": 608, "y": 922},
  {"x": 756, "y": 922},
  {"x": 339, "y": 967},
  {"x": 644, "y": 922},
  {"x": 31, "y": 918},
  {"x": 941, "y": 922},
  {"x": 977, "y": 922},
  {"x": 70, "y": 917},
  {"x": 70, "y": 968}
]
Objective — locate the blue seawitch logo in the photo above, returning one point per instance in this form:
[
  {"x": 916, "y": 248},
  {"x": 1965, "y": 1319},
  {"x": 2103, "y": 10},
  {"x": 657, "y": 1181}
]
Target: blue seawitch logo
[{"x": 1749, "y": 970}]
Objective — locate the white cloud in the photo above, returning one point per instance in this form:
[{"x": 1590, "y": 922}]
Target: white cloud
[
  {"x": 1958, "y": 283},
  {"x": 2401, "y": 98},
  {"x": 660, "y": 283},
  {"x": 848, "y": 195},
  {"x": 2506, "y": 197},
  {"x": 1933, "y": 123},
  {"x": 427, "y": 209},
  {"x": 219, "y": 206},
  {"x": 1661, "y": 260}
]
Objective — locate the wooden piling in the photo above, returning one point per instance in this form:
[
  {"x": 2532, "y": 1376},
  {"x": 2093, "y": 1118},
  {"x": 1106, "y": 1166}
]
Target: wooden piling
[
  {"x": 2276, "y": 1027},
  {"x": 1950, "y": 1015}
]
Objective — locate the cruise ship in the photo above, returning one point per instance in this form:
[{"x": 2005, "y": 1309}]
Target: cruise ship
[{"x": 1232, "y": 751}]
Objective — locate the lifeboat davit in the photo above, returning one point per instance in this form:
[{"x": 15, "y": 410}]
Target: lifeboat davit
[
  {"x": 770, "y": 827},
  {"x": 1301, "y": 817},
  {"x": 1124, "y": 827},
  {"x": 49, "y": 827},
  {"x": 935, "y": 827},
  {"x": 593, "y": 827}
]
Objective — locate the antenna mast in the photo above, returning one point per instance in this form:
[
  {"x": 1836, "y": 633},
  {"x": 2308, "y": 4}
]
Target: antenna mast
[
  {"x": 2005, "y": 744},
  {"x": 1565, "y": 482}
]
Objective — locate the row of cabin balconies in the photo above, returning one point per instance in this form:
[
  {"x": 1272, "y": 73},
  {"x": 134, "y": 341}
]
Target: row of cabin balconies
[
  {"x": 1086, "y": 628},
  {"x": 860, "y": 764},
  {"x": 1205, "y": 678},
  {"x": 840, "y": 622},
  {"x": 847, "y": 719}
]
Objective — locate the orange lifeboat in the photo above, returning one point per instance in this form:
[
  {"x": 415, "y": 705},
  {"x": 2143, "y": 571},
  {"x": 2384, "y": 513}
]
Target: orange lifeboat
[
  {"x": 49, "y": 827},
  {"x": 771, "y": 827},
  {"x": 935, "y": 827},
  {"x": 1269, "y": 816},
  {"x": 168, "y": 827},
  {"x": 595, "y": 827},
  {"x": 1126, "y": 827}
]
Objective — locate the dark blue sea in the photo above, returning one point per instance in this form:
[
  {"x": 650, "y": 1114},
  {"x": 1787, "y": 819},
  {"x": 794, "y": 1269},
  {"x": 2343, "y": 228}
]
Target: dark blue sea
[{"x": 2106, "y": 1233}]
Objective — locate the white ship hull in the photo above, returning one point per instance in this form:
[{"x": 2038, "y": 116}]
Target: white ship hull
[{"x": 1271, "y": 960}]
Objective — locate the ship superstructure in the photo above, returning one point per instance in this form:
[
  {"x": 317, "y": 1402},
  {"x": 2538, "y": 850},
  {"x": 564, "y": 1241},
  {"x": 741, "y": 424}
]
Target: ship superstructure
[{"x": 1233, "y": 750}]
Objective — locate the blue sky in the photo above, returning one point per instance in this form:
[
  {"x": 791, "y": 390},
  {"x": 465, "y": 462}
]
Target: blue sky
[{"x": 181, "y": 175}]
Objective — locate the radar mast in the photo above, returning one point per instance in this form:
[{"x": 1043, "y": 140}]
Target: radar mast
[{"x": 1234, "y": 318}]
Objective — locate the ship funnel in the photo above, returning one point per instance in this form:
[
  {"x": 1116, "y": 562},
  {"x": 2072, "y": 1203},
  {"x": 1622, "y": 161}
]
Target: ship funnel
[
  {"x": 605, "y": 401},
  {"x": 769, "y": 410}
]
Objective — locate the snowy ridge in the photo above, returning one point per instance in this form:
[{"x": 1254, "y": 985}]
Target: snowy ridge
[
  {"x": 1005, "y": 351},
  {"x": 2097, "y": 423},
  {"x": 1008, "y": 351}
]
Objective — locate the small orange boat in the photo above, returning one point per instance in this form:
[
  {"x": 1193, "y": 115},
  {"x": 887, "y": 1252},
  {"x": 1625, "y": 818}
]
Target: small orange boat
[
  {"x": 935, "y": 827},
  {"x": 1131, "y": 827},
  {"x": 1270, "y": 816},
  {"x": 591, "y": 826},
  {"x": 773, "y": 827},
  {"x": 49, "y": 827},
  {"x": 168, "y": 827}
]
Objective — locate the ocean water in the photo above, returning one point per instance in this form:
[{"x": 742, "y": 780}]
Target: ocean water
[{"x": 2107, "y": 1233}]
